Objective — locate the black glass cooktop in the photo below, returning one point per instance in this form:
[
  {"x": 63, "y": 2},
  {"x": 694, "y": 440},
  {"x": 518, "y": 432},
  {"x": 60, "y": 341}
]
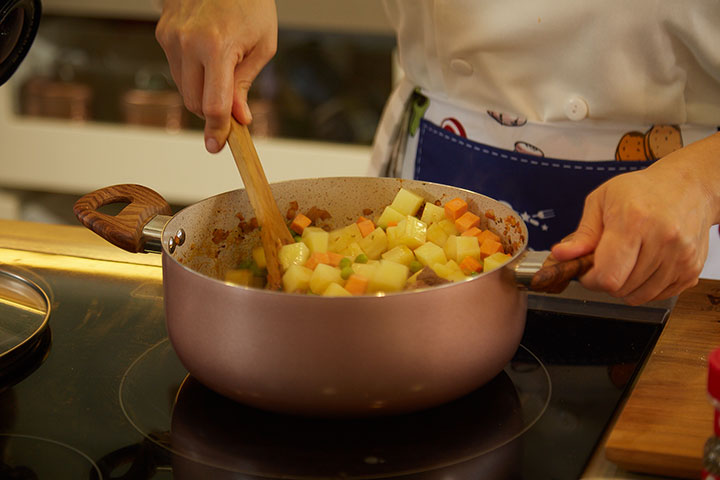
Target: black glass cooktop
[{"x": 111, "y": 400}]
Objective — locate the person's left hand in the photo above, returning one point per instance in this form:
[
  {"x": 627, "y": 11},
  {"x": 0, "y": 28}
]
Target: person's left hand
[{"x": 649, "y": 229}]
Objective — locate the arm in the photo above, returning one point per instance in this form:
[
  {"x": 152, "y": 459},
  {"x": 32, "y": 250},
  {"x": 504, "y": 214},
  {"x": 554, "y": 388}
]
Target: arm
[
  {"x": 215, "y": 49},
  {"x": 649, "y": 229}
]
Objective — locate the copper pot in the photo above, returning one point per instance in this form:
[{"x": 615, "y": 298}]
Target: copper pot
[
  {"x": 155, "y": 108},
  {"x": 316, "y": 355}
]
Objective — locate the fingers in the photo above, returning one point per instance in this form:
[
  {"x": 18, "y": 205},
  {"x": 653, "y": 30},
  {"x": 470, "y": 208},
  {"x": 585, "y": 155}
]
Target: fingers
[
  {"x": 217, "y": 98},
  {"x": 586, "y": 237},
  {"x": 245, "y": 73}
]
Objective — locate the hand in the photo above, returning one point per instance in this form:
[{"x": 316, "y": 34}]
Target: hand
[
  {"x": 649, "y": 229},
  {"x": 215, "y": 49}
]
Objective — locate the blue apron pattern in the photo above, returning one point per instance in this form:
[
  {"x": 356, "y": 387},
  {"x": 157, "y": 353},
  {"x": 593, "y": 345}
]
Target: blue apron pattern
[{"x": 549, "y": 194}]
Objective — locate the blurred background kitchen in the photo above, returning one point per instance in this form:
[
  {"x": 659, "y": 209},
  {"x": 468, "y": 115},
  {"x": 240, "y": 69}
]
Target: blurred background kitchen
[{"x": 94, "y": 104}]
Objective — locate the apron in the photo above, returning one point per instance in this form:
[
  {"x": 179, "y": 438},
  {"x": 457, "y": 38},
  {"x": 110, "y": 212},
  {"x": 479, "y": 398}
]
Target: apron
[{"x": 542, "y": 172}]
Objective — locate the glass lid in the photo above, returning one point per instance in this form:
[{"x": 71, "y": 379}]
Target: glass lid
[{"x": 24, "y": 312}]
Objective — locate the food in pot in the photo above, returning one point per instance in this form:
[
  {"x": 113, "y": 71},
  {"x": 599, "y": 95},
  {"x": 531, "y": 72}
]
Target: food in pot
[{"x": 412, "y": 244}]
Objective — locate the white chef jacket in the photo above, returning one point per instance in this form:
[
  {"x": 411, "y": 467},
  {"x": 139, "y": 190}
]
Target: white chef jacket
[{"x": 592, "y": 69}]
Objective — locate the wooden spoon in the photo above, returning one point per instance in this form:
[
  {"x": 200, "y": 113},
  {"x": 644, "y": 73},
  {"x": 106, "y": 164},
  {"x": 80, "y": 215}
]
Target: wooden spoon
[{"x": 274, "y": 232}]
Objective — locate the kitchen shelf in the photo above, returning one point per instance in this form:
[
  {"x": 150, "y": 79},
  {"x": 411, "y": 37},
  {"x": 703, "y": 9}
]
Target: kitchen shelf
[{"x": 66, "y": 157}]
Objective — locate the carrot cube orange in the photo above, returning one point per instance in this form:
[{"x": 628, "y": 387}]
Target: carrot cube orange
[
  {"x": 316, "y": 258},
  {"x": 469, "y": 265},
  {"x": 472, "y": 232},
  {"x": 455, "y": 208},
  {"x": 466, "y": 221},
  {"x": 490, "y": 246},
  {"x": 334, "y": 258},
  {"x": 299, "y": 223},
  {"x": 487, "y": 234},
  {"x": 356, "y": 284},
  {"x": 366, "y": 226}
]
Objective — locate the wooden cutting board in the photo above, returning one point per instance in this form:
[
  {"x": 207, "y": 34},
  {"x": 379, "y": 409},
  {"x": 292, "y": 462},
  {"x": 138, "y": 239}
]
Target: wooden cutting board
[{"x": 667, "y": 418}]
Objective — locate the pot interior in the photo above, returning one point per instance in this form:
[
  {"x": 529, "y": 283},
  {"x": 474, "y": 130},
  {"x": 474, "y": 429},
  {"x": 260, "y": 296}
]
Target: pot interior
[{"x": 219, "y": 230}]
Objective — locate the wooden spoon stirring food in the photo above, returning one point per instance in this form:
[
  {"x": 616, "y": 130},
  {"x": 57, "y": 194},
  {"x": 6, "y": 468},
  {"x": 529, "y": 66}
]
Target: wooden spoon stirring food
[{"x": 274, "y": 232}]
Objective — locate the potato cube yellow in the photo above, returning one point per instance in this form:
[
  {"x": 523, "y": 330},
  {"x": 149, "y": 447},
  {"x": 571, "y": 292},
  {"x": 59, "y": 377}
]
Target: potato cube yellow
[
  {"x": 495, "y": 260},
  {"x": 448, "y": 226},
  {"x": 389, "y": 215},
  {"x": 365, "y": 269},
  {"x": 293, "y": 254},
  {"x": 341, "y": 238},
  {"x": 458, "y": 247},
  {"x": 296, "y": 279},
  {"x": 412, "y": 232},
  {"x": 432, "y": 213},
  {"x": 388, "y": 277},
  {"x": 352, "y": 250},
  {"x": 258, "y": 254},
  {"x": 429, "y": 254},
  {"x": 449, "y": 271},
  {"x": 436, "y": 235},
  {"x": 392, "y": 234},
  {"x": 400, "y": 254},
  {"x": 407, "y": 202},
  {"x": 374, "y": 244},
  {"x": 335, "y": 290},
  {"x": 316, "y": 239},
  {"x": 323, "y": 276}
]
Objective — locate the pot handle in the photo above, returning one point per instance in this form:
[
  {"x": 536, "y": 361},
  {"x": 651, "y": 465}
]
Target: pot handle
[
  {"x": 540, "y": 272},
  {"x": 125, "y": 229}
]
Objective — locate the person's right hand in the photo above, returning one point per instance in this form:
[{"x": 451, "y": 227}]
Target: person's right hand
[{"x": 215, "y": 49}]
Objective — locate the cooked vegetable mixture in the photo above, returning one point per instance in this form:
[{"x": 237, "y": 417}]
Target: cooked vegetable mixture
[{"x": 412, "y": 244}]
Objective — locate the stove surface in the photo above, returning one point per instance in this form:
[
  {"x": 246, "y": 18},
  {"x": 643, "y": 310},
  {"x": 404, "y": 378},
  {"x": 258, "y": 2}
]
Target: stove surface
[{"x": 110, "y": 400}]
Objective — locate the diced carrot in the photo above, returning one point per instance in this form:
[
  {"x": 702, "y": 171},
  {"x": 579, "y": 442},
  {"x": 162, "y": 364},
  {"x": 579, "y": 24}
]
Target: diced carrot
[
  {"x": 490, "y": 246},
  {"x": 469, "y": 265},
  {"x": 366, "y": 226},
  {"x": 487, "y": 234},
  {"x": 356, "y": 284},
  {"x": 334, "y": 258},
  {"x": 317, "y": 258},
  {"x": 299, "y": 223},
  {"x": 472, "y": 232},
  {"x": 466, "y": 221},
  {"x": 455, "y": 208}
]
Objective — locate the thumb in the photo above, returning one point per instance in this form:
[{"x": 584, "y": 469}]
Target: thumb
[{"x": 583, "y": 240}]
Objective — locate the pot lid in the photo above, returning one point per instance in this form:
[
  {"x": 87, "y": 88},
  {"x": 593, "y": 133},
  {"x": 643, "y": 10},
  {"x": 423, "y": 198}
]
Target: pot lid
[
  {"x": 19, "y": 21},
  {"x": 24, "y": 312}
]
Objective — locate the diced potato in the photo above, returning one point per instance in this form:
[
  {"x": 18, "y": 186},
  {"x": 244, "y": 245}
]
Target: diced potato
[
  {"x": 374, "y": 244},
  {"x": 436, "y": 234},
  {"x": 335, "y": 290},
  {"x": 448, "y": 226},
  {"x": 407, "y": 202},
  {"x": 258, "y": 254},
  {"x": 316, "y": 239},
  {"x": 392, "y": 234},
  {"x": 495, "y": 260},
  {"x": 432, "y": 213},
  {"x": 296, "y": 279},
  {"x": 388, "y": 277},
  {"x": 449, "y": 271},
  {"x": 389, "y": 215},
  {"x": 400, "y": 254},
  {"x": 340, "y": 239},
  {"x": 429, "y": 254},
  {"x": 323, "y": 276},
  {"x": 458, "y": 247},
  {"x": 293, "y": 254},
  {"x": 365, "y": 269},
  {"x": 352, "y": 250},
  {"x": 412, "y": 232}
]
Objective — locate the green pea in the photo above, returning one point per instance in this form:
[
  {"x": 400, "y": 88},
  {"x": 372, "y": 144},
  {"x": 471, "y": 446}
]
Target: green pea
[
  {"x": 297, "y": 238},
  {"x": 346, "y": 272},
  {"x": 345, "y": 262},
  {"x": 362, "y": 258},
  {"x": 415, "y": 266},
  {"x": 245, "y": 264}
]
